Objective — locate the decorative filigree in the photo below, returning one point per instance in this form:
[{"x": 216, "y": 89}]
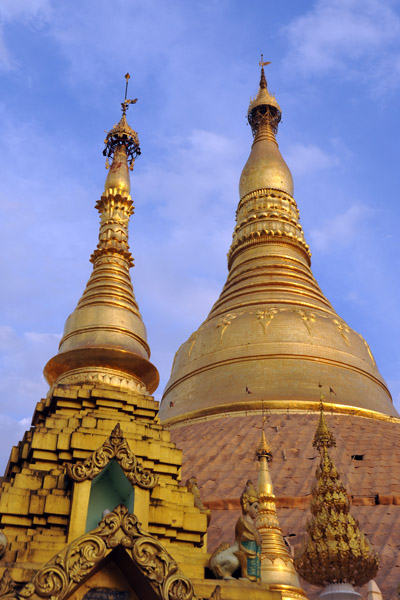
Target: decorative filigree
[
  {"x": 264, "y": 317},
  {"x": 343, "y": 329},
  {"x": 101, "y": 376},
  {"x": 307, "y": 317},
  {"x": 7, "y": 586},
  {"x": 63, "y": 574},
  {"x": 116, "y": 447},
  {"x": 115, "y": 211},
  {"x": 224, "y": 322},
  {"x": 336, "y": 550},
  {"x": 122, "y": 134}
]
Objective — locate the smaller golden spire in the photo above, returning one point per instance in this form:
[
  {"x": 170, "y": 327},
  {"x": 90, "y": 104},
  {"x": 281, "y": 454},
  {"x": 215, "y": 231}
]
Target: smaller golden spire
[
  {"x": 323, "y": 437},
  {"x": 336, "y": 550},
  {"x": 105, "y": 338},
  {"x": 277, "y": 568}
]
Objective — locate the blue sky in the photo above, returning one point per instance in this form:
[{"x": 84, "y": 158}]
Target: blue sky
[{"x": 336, "y": 74}]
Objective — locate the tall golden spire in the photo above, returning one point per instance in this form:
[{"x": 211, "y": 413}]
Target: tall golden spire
[
  {"x": 336, "y": 550},
  {"x": 277, "y": 568},
  {"x": 272, "y": 324},
  {"x": 105, "y": 338}
]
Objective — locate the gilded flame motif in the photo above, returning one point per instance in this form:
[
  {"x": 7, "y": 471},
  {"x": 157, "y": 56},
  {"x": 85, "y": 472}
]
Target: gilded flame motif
[
  {"x": 115, "y": 447},
  {"x": 64, "y": 573},
  {"x": 336, "y": 550}
]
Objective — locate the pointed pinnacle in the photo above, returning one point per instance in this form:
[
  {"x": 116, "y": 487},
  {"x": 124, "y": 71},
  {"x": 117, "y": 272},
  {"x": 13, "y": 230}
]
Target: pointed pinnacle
[
  {"x": 263, "y": 449},
  {"x": 323, "y": 437}
]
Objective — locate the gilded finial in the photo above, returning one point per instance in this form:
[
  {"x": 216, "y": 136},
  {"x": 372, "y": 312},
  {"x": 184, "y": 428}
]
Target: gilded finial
[
  {"x": 264, "y": 109},
  {"x": 122, "y": 134},
  {"x": 263, "y": 448},
  {"x": 263, "y": 81},
  {"x": 323, "y": 436},
  {"x": 336, "y": 550}
]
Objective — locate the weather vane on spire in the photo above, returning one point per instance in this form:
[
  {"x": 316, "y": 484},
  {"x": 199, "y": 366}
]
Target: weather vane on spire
[
  {"x": 122, "y": 135},
  {"x": 262, "y": 63},
  {"x": 126, "y": 102}
]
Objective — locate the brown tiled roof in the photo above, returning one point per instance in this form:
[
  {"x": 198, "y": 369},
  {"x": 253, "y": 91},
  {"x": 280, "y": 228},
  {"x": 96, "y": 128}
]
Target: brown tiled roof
[{"x": 220, "y": 453}]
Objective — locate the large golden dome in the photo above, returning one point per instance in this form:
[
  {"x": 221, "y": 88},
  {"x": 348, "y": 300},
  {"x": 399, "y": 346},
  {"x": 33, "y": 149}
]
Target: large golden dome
[{"x": 272, "y": 337}]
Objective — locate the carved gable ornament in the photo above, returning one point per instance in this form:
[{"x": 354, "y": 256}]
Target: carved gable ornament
[
  {"x": 119, "y": 530},
  {"x": 115, "y": 447}
]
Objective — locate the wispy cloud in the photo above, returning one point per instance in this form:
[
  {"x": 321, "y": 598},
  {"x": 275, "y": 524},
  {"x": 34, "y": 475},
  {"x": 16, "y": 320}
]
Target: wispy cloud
[
  {"x": 358, "y": 38},
  {"x": 341, "y": 230},
  {"x": 306, "y": 159}
]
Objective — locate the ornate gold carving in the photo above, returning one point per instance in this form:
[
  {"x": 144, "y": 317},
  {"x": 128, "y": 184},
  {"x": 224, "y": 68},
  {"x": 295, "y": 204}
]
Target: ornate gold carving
[
  {"x": 264, "y": 317},
  {"x": 116, "y": 447},
  {"x": 336, "y": 550},
  {"x": 343, "y": 329},
  {"x": 307, "y": 317},
  {"x": 193, "y": 339},
  {"x": 224, "y": 322},
  {"x": 122, "y": 134},
  {"x": 62, "y": 574},
  {"x": 7, "y": 586},
  {"x": 101, "y": 376},
  {"x": 115, "y": 210}
]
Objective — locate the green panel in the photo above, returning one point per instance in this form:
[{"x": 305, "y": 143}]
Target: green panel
[{"x": 108, "y": 489}]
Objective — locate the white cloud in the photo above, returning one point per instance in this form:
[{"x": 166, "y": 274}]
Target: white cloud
[
  {"x": 357, "y": 37},
  {"x": 29, "y": 12},
  {"x": 340, "y": 230},
  {"x": 306, "y": 159}
]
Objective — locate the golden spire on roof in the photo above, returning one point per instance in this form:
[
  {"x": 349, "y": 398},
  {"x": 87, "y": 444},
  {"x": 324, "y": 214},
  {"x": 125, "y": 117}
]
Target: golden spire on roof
[
  {"x": 277, "y": 566},
  {"x": 105, "y": 338},
  {"x": 336, "y": 550}
]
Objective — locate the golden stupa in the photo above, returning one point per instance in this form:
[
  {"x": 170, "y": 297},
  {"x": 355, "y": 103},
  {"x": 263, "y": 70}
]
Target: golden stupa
[
  {"x": 272, "y": 335},
  {"x": 271, "y": 343}
]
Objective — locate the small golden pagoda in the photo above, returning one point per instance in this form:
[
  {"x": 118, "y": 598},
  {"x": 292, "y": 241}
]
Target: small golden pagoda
[
  {"x": 336, "y": 552},
  {"x": 277, "y": 568}
]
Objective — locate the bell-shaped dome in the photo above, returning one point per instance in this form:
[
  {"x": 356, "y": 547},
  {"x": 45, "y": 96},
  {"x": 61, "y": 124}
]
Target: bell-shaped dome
[{"x": 272, "y": 336}]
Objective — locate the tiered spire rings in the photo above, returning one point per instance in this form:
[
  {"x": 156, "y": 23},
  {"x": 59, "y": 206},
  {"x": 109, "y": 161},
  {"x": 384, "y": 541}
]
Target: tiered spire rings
[
  {"x": 277, "y": 568},
  {"x": 104, "y": 338},
  {"x": 336, "y": 550}
]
